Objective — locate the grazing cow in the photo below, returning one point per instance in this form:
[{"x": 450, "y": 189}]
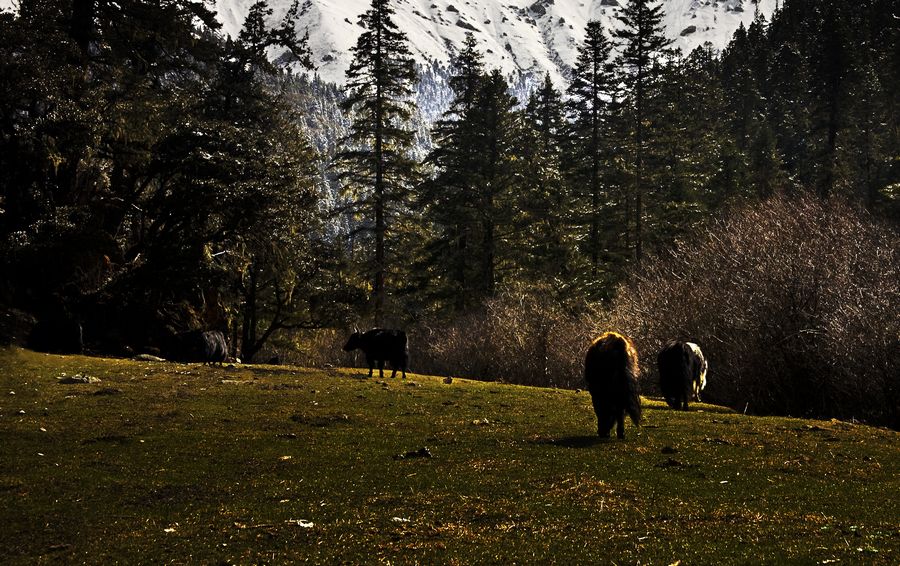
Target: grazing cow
[
  {"x": 381, "y": 345},
  {"x": 207, "y": 346},
  {"x": 611, "y": 371},
  {"x": 682, "y": 373}
]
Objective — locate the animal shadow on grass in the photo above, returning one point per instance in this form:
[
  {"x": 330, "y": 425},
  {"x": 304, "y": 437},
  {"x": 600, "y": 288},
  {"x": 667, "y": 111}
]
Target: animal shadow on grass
[{"x": 582, "y": 441}]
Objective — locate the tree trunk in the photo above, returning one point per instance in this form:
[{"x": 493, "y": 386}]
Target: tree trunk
[
  {"x": 489, "y": 252},
  {"x": 595, "y": 189},
  {"x": 248, "y": 329},
  {"x": 461, "y": 251},
  {"x": 639, "y": 170},
  {"x": 379, "y": 185},
  {"x": 82, "y": 23}
]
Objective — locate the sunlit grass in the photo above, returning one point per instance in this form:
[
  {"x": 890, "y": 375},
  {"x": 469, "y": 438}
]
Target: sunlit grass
[{"x": 164, "y": 462}]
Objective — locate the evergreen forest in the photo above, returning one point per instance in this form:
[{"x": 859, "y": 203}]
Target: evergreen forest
[{"x": 157, "y": 176}]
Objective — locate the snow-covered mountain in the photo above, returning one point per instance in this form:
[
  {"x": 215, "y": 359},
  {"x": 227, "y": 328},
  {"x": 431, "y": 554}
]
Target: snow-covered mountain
[{"x": 521, "y": 37}]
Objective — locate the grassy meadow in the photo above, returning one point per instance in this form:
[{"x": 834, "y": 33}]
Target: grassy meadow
[{"x": 187, "y": 464}]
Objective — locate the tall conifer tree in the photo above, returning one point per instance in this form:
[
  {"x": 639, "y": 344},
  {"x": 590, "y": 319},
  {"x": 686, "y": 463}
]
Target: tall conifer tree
[
  {"x": 643, "y": 42},
  {"x": 546, "y": 208},
  {"x": 375, "y": 165},
  {"x": 449, "y": 198},
  {"x": 470, "y": 200},
  {"x": 588, "y": 104},
  {"x": 497, "y": 132},
  {"x": 789, "y": 112},
  {"x": 830, "y": 95}
]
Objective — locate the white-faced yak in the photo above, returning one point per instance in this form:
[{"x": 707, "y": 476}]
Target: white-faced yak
[
  {"x": 381, "y": 345},
  {"x": 682, "y": 373},
  {"x": 611, "y": 372}
]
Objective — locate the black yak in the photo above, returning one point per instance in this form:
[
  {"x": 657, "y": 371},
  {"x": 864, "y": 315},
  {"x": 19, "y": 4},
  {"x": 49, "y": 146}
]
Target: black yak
[
  {"x": 58, "y": 334},
  {"x": 682, "y": 373},
  {"x": 611, "y": 371},
  {"x": 381, "y": 345},
  {"x": 207, "y": 346}
]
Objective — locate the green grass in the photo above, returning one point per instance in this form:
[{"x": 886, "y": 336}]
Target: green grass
[{"x": 170, "y": 463}]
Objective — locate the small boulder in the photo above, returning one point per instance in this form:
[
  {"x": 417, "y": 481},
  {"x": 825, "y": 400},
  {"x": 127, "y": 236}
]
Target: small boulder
[
  {"x": 422, "y": 452},
  {"x": 147, "y": 358}
]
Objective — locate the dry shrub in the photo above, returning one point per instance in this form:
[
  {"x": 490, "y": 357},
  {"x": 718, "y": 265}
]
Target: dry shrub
[
  {"x": 794, "y": 302},
  {"x": 310, "y": 348},
  {"x": 527, "y": 339},
  {"x": 523, "y": 338}
]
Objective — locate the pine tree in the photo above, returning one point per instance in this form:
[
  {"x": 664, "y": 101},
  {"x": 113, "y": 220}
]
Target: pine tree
[
  {"x": 831, "y": 101},
  {"x": 588, "y": 109},
  {"x": 685, "y": 148},
  {"x": 448, "y": 199},
  {"x": 789, "y": 114},
  {"x": 831, "y": 92},
  {"x": 740, "y": 85},
  {"x": 643, "y": 43},
  {"x": 470, "y": 200},
  {"x": 375, "y": 164},
  {"x": 256, "y": 37},
  {"x": 745, "y": 77},
  {"x": 468, "y": 78},
  {"x": 278, "y": 260},
  {"x": 866, "y": 140},
  {"x": 546, "y": 205},
  {"x": 766, "y": 165},
  {"x": 497, "y": 132},
  {"x": 705, "y": 138}
]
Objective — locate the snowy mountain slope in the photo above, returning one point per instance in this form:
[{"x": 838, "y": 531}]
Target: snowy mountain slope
[{"x": 517, "y": 36}]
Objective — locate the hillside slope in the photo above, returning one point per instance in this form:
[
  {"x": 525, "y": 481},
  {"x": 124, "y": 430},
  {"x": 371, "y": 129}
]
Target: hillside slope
[{"x": 161, "y": 462}]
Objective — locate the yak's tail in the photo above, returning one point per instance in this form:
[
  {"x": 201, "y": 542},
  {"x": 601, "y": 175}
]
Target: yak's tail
[
  {"x": 633, "y": 400},
  {"x": 631, "y": 371}
]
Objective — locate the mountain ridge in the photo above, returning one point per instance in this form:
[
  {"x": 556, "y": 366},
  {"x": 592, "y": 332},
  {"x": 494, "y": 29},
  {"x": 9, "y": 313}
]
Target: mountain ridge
[{"x": 526, "y": 37}]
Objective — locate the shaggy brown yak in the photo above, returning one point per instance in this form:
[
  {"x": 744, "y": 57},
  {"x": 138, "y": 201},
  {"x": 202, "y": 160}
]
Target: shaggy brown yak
[{"x": 611, "y": 372}]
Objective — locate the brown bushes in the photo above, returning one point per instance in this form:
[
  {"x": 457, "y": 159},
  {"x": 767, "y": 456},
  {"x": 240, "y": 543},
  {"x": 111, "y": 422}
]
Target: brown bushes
[
  {"x": 519, "y": 338},
  {"x": 795, "y": 303},
  {"x": 310, "y": 348}
]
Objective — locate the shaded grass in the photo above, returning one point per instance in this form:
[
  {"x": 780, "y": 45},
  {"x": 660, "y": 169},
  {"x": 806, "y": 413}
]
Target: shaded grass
[{"x": 178, "y": 463}]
